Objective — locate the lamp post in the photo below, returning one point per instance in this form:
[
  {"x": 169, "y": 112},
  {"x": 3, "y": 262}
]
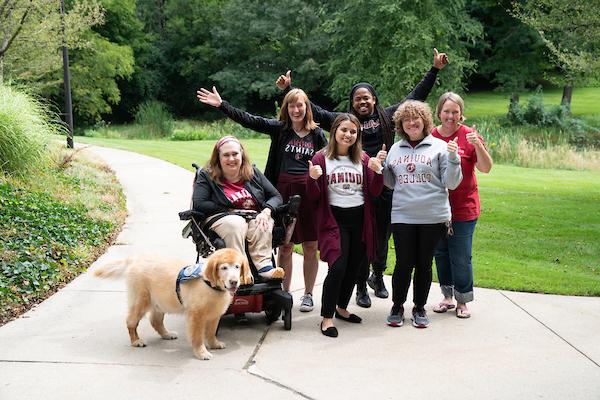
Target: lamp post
[{"x": 67, "y": 80}]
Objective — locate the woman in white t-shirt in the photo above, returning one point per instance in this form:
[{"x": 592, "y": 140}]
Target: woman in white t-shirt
[{"x": 342, "y": 180}]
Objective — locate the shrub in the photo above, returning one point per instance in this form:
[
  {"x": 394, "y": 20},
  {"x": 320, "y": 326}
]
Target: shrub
[
  {"x": 156, "y": 118},
  {"x": 25, "y": 128}
]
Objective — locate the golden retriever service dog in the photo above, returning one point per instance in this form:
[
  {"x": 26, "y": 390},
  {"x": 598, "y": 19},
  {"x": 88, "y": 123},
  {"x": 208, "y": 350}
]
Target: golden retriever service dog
[{"x": 151, "y": 286}]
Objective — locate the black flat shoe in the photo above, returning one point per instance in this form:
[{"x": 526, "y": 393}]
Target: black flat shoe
[
  {"x": 330, "y": 332},
  {"x": 355, "y": 319}
]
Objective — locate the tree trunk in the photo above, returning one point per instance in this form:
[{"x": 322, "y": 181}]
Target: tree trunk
[{"x": 566, "y": 97}]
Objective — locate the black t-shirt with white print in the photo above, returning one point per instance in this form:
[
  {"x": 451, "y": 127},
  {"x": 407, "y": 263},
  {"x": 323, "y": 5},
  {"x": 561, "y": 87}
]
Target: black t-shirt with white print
[
  {"x": 372, "y": 139},
  {"x": 296, "y": 154}
]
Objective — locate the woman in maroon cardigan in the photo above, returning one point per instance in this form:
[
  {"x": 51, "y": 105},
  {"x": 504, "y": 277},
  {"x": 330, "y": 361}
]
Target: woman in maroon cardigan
[{"x": 342, "y": 180}]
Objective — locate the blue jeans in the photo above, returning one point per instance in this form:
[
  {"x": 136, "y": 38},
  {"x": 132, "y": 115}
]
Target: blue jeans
[{"x": 453, "y": 262}]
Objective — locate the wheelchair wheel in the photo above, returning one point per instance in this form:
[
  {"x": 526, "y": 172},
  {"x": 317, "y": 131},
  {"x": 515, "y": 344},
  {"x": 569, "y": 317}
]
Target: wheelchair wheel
[
  {"x": 287, "y": 319},
  {"x": 272, "y": 313}
]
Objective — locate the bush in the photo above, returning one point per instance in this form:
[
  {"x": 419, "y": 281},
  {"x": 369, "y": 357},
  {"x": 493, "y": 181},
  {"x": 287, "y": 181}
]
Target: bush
[
  {"x": 25, "y": 128},
  {"x": 156, "y": 118},
  {"x": 212, "y": 131}
]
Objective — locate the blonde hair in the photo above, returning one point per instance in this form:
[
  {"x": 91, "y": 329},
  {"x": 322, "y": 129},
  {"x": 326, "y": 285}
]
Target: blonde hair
[
  {"x": 413, "y": 108},
  {"x": 355, "y": 151},
  {"x": 213, "y": 166},
  {"x": 453, "y": 97},
  {"x": 293, "y": 96}
]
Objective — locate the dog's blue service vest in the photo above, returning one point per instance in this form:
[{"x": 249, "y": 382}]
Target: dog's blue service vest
[{"x": 188, "y": 273}]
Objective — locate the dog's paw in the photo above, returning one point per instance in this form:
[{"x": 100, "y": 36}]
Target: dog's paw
[
  {"x": 169, "y": 336},
  {"x": 217, "y": 344},
  {"x": 138, "y": 343},
  {"x": 203, "y": 354}
]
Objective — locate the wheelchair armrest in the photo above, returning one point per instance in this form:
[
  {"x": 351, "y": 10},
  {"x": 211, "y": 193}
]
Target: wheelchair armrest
[
  {"x": 290, "y": 209},
  {"x": 189, "y": 214}
]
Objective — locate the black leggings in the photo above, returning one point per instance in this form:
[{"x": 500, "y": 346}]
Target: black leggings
[
  {"x": 415, "y": 245},
  {"x": 383, "y": 207},
  {"x": 339, "y": 283}
]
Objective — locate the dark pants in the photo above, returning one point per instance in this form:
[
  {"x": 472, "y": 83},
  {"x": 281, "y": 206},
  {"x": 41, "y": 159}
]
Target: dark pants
[
  {"x": 415, "y": 245},
  {"x": 383, "y": 209},
  {"x": 339, "y": 282}
]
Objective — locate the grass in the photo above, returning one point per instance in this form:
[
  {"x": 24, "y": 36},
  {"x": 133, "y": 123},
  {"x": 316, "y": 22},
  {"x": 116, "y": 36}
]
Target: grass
[
  {"x": 487, "y": 104},
  {"x": 537, "y": 232},
  {"x": 182, "y": 153},
  {"x": 53, "y": 225}
]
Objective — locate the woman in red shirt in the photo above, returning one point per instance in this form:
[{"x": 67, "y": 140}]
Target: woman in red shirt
[{"x": 453, "y": 254}]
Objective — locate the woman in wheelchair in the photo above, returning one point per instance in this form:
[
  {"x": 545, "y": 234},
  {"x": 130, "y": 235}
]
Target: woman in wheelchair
[{"x": 238, "y": 200}]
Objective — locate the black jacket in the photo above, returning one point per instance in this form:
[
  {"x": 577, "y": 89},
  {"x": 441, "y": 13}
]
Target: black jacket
[
  {"x": 209, "y": 197},
  {"x": 420, "y": 92},
  {"x": 278, "y": 132}
]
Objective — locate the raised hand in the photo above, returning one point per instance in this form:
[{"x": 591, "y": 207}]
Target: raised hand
[
  {"x": 211, "y": 98},
  {"x": 440, "y": 60},
  {"x": 315, "y": 171},
  {"x": 473, "y": 138},
  {"x": 382, "y": 154},
  {"x": 284, "y": 80},
  {"x": 453, "y": 146},
  {"x": 374, "y": 164}
]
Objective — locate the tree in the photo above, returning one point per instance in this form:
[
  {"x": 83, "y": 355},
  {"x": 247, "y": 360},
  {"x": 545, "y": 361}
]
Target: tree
[
  {"x": 252, "y": 55},
  {"x": 389, "y": 44},
  {"x": 511, "y": 55},
  {"x": 31, "y": 36},
  {"x": 571, "y": 32}
]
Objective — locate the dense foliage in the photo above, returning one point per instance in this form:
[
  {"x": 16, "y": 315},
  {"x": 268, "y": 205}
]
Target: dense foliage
[{"x": 127, "y": 52}]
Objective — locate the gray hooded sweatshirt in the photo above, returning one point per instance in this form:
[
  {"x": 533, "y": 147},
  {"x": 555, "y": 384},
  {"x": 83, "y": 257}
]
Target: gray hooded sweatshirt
[{"x": 421, "y": 177}]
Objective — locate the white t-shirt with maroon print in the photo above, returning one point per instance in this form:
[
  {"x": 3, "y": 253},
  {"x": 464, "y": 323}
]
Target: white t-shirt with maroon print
[
  {"x": 344, "y": 182},
  {"x": 239, "y": 196}
]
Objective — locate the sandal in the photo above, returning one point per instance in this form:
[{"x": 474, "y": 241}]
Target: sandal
[
  {"x": 463, "y": 313},
  {"x": 443, "y": 307}
]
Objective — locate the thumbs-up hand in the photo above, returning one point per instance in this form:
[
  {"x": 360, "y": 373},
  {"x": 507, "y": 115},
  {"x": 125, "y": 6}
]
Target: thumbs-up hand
[
  {"x": 374, "y": 164},
  {"x": 440, "y": 60},
  {"x": 315, "y": 171},
  {"x": 473, "y": 138},
  {"x": 284, "y": 80},
  {"x": 382, "y": 154},
  {"x": 453, "y": 146}
]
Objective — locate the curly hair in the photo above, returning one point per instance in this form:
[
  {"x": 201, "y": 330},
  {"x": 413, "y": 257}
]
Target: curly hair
[{"x": 413, "y": 108}]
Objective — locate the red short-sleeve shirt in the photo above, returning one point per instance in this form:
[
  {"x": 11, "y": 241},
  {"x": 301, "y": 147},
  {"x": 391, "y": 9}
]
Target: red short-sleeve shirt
[{"x": 464, "y": 200}]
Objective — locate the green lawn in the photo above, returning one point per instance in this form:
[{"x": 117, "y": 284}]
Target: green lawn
[
  {"x": 485, "y": 104},
  {"x": 538, "y": 231}
]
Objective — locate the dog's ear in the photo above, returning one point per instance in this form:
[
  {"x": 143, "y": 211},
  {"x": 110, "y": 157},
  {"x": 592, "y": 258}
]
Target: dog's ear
[
  {"x": 211, "y": 272},
  {"x": 246, "y": 277}
]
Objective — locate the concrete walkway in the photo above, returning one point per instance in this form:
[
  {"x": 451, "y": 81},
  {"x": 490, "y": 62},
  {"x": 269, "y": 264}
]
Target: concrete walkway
[{"x": 75, "y": 344}]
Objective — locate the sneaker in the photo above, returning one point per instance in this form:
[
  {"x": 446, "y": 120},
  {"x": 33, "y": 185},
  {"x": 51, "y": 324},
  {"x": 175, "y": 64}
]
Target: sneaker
[
  {"x": 306, "y": 303},
  {"x": 420, "y": 318},
  {"x": 362, "y": 297},
  {"x": 376, "y": 283},
  {"x": 396, "y": 317},
  {"x": 270, "y": 272}
]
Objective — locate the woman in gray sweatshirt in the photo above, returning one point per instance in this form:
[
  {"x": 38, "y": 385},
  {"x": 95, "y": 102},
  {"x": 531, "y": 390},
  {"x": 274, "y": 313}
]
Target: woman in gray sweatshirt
[{"x": 420, "y": 168}]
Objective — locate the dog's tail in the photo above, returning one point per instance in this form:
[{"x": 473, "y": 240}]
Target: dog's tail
[{"x": 113, "y": 269}]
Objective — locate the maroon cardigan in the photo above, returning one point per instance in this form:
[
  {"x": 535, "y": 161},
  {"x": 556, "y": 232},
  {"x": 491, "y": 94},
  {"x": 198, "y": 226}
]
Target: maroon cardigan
[{"x": 328, "y": 232}]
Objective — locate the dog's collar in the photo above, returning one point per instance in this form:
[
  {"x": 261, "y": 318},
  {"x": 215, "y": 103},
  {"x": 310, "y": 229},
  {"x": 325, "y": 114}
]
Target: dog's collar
[{"x": 218, "y": 289}]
